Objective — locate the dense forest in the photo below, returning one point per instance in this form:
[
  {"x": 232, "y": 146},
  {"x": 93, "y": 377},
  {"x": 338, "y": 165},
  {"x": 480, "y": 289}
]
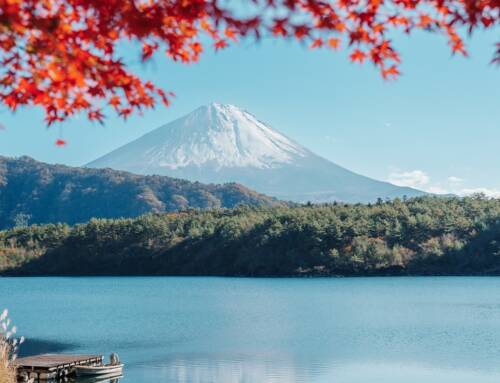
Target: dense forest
[
  {"x": 33, "y": 192},
  {"x": 421, "y": 236}
]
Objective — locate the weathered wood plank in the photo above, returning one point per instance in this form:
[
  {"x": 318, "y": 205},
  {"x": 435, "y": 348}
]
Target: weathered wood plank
[{"x": 50, "y": 361}]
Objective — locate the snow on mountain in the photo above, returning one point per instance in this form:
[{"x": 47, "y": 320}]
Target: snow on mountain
[
  {"x": 222, "y": 135},
  {"x": 223, "y": 143}
]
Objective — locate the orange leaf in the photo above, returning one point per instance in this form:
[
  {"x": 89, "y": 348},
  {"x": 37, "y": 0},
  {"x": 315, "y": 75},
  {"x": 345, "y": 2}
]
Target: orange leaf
[
  {"x": 317, "y": 43},
  {"x": 358, "y": 55},
  {"x": 148, "y": 50},
  {"x": 220, "y": 44},
  {"x": 334, "y": 43},
  {"x": 197, "y": 48},
  {"x": 230, "y": 34},
  {"x": 425, "y": 21},
  {"x": 390, "y": 73},
  {"x": 114, "y": 101},
  {"x": 301, "y": 32}
]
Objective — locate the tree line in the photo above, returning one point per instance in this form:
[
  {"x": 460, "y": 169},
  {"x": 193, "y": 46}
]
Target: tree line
[{"x": 420, "y": 236}]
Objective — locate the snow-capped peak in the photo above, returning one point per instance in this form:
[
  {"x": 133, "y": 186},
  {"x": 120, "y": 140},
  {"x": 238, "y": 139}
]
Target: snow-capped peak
[{"x": 221, "y": 135}]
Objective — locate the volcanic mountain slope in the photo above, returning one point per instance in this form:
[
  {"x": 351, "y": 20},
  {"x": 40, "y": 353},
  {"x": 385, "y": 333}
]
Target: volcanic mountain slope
[
  {"x": 223, "y": 143},
  {"x": 34, "y": 192}
]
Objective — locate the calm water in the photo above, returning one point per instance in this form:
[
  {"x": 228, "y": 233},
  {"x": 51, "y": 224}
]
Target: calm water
[{"x": 226, "y": 330}]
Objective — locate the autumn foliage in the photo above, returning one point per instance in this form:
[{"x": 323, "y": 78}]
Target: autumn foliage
[{"x": 62, "y": 55}]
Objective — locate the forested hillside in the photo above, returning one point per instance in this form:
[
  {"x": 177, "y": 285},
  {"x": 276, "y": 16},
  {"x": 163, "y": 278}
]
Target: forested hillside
[
  {"x": 422, "y": 236},
  {"x": 34, "y": 192}
]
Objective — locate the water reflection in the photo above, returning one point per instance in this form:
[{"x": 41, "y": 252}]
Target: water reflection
[
  {"x": 230, "y": 369},
  {"x": 107, "y": 378},
  {"x": 182, "y": 370}
]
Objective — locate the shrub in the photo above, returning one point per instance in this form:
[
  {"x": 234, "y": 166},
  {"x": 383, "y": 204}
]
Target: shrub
[{"x": 8, "y": 349}]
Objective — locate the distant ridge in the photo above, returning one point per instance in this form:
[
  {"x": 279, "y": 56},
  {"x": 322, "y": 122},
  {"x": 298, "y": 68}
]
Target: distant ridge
[
  {"x": 223, "y": 143},
  {"x": 35, "y": 192}
]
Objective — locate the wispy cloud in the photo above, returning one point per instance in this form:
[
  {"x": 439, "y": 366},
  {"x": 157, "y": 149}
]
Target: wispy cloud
[
  {"x": 413, "y": 178},
  {"x": 420, "y": 179},
  {"x": 493, "y": 193}
]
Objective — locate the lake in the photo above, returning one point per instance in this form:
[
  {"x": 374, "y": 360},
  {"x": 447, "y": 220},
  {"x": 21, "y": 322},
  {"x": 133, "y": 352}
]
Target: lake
[{"x": 225, "y": 330}]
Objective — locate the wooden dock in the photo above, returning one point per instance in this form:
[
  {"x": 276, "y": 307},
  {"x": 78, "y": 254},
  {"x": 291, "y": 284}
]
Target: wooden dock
[{"x": 53, "y": 366}]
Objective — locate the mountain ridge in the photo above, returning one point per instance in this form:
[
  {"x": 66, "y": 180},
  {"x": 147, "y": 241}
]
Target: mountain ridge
[
  {"x": 44, "y": 193},
  {"x": 223, "y": 143}
]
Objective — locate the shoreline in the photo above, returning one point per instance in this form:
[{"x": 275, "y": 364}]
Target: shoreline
[{"x": 477, "y": 275}]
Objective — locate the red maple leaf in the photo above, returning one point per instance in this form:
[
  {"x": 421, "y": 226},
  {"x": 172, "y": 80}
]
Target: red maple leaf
[
  {"x": 358, "y": 56},
  {"x": 65, "y": 56}
]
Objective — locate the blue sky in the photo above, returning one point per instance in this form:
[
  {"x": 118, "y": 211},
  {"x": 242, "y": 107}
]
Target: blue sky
[{"x": 436, "y": 128}]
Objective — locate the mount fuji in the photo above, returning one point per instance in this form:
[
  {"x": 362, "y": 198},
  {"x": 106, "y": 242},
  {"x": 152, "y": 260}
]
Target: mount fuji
[{"x": 220, "y": 143}]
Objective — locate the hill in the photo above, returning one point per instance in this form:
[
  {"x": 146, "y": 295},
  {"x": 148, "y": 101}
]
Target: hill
[{"x": 35, "y": 192}]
